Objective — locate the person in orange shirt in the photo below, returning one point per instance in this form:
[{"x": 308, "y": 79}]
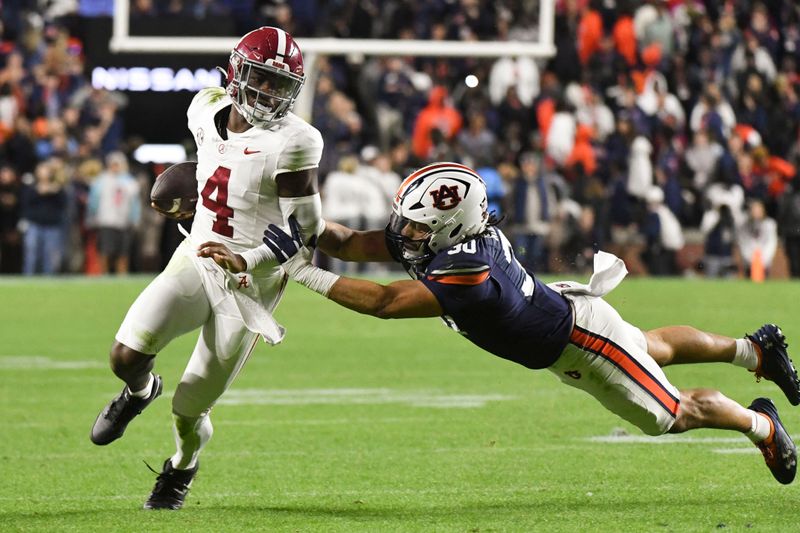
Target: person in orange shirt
[
  {"x": 582, "y": 151},
  {"x": 590, "y": 32},
  {"x": 440, "y": 115},
  {"x": 625, "y": 36}
]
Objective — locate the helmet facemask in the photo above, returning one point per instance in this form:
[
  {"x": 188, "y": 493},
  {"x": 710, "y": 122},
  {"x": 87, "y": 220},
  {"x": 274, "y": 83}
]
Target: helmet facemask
[
  {"x": 413, "y": 251},
  {"x": 262, "y": 93}
]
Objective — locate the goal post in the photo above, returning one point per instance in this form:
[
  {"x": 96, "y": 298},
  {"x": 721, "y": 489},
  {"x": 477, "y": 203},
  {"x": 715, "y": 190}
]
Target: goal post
[{"x": 123, "y": 42}]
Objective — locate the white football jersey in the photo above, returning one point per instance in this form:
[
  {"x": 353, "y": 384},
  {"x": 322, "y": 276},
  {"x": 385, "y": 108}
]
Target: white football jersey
[{"x": 236, "y": 177}]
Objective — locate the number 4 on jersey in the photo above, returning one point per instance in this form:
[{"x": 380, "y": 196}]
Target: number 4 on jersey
[{"x": 219, "y": 182}]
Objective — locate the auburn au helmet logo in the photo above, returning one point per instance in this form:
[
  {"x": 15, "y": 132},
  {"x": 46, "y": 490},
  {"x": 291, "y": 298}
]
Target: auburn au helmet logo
[{"x": 446, "y": 197}]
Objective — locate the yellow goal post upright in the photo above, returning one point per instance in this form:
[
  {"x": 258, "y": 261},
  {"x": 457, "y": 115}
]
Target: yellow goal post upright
[{"x": 123, "y": 42}]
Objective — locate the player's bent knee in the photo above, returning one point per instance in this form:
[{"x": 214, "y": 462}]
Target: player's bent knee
[
  {"x": 691, "y": 414},
  {"x": 658, "y": 427},
  {"x": 126, "y": 360}
]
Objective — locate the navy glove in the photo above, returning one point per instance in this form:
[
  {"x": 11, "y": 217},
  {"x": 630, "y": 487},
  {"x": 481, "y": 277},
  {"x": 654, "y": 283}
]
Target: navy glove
[{"x": 286, "y": 246}]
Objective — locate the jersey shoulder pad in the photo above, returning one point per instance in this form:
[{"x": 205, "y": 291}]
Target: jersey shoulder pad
[
  {"x": 206, "y": 99},
  {"x": 303, "y": 148},
  {"x": 457, "y": 266}
]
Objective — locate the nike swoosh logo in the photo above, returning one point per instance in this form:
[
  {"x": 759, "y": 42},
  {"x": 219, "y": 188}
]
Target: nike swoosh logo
[{"x": 248, "y": 152}]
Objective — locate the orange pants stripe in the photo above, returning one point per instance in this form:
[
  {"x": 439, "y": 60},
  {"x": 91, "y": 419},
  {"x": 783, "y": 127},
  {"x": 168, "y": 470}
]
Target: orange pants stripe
[{"x": 607, "y": 349}]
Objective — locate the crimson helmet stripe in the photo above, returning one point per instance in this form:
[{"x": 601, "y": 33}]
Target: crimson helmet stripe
[
  {"x": 424, "y": 170},
  {"x": 280, "y": 50}
]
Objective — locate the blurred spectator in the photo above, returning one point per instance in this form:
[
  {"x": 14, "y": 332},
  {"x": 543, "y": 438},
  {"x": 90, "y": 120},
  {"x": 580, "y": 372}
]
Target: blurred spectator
[
  {"x": 590, "y": 31},
  {"x": 625, "y": 35},
  {"x": 713, "y": 113},
  {"x": 663, "y": 236},
  {"x": 10, "y": 238},
  {"x": 342, "y": 202},
  {"x": 640, "y": 167},
  {"x": 789, "y": 227},
  {"x": 43, "y": 212},
  {"x": 534, "y": 206},
  {"x": 114, "y": 209},
  {"x": 82, "y": 255},
  {"x": 397, "y": 100},
  {"x": 653, "y": 24},
  {"x": 438, "y": 116},
  {"x": 583, "y": 153},
  {"x": 340, "y": 126},
  {"x": 521, "y": 74},
  {"x": 702, "y": 159},
  {"x": 593, "y": 112},
  {"x": 656, "y": 101},
  {"x": 560, "y": 139},
  {"x": 719, "y": 230},
  {"x": 380, "y": 185},
  {"x": 757, "y": 237},
  {"x": 477, "y": 142},
  {"x": 495, "y": 188},
  {"x": 581, "y": 239}
]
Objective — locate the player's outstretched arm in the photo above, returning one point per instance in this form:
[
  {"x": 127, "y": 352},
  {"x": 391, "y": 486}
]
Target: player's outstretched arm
[
  {"x": 401, "y": 299},
  {"x": 347, "y": 244}
]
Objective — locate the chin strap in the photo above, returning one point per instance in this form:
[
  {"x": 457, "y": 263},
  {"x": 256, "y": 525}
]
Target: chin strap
[{"x": 224, "y": 75}]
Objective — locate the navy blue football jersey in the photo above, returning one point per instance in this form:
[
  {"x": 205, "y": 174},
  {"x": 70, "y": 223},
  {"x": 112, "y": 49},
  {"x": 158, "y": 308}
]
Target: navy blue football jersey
[{"x": 491, "y": 299}]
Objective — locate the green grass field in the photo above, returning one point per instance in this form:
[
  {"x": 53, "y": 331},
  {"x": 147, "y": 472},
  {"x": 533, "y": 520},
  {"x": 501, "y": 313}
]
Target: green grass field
[{"x": 356, "y": 424}]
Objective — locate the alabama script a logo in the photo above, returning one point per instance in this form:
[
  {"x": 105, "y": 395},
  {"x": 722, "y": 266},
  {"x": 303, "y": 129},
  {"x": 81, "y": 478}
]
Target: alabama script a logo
[{"x": 446, "y": 197}]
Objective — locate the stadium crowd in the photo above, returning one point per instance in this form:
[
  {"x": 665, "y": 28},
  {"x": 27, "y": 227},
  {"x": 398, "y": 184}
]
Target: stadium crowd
[{"x": 664, "y": 131}]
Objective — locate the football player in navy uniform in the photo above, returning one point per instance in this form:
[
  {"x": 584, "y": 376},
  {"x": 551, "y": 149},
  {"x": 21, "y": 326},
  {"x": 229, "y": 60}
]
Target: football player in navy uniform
[
  {"x": 256, "y": 164},
  {"x": 465, "y": 271}
]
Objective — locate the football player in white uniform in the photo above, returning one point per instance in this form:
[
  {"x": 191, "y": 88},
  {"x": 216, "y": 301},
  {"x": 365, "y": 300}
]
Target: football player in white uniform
[{"x": 257, "y": 164}]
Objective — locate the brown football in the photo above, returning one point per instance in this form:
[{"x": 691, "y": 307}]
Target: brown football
[{"x": 175, "y": 189}]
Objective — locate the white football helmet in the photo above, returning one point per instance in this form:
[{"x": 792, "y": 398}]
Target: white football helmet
[{"x": 449, "y": 198}]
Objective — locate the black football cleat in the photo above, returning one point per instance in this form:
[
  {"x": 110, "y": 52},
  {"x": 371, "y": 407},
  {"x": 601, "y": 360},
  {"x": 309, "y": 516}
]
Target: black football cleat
[
  {"x": 778, "y": 449},
  {"x": 115, "y": 417},
  {"x": 171, "y": 488},
  {"x": 774, "y": 363}
]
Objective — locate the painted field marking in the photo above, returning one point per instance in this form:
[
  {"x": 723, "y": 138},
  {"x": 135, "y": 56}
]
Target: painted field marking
[
  {"x": 744, "y": 447},
  {"x": 367, "y": 491},
  {"x": 40, "y": 362},
  {"x": 662, "y": 439},
  {"x": 325, "y": 422},
  {"x": 748, "y": 450},
  {"x": 357, "y": 396}
]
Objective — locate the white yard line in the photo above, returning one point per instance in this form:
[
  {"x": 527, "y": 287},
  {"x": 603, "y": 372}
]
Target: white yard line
[
  {"x": 40, "y": 362},
  {"x": 663, "y": 439},
  {"x": 359, "y": 396},
  {"x": 368, "y": 492}
]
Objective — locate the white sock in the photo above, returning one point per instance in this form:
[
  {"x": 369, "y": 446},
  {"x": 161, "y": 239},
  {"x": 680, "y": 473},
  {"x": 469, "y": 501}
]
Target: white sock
[
  {"x": 191, "y": 434},
  {"x": 746, "y": 354},
  {"x": 760, "y": 427},
  {"x": 145, "y": 392}
]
